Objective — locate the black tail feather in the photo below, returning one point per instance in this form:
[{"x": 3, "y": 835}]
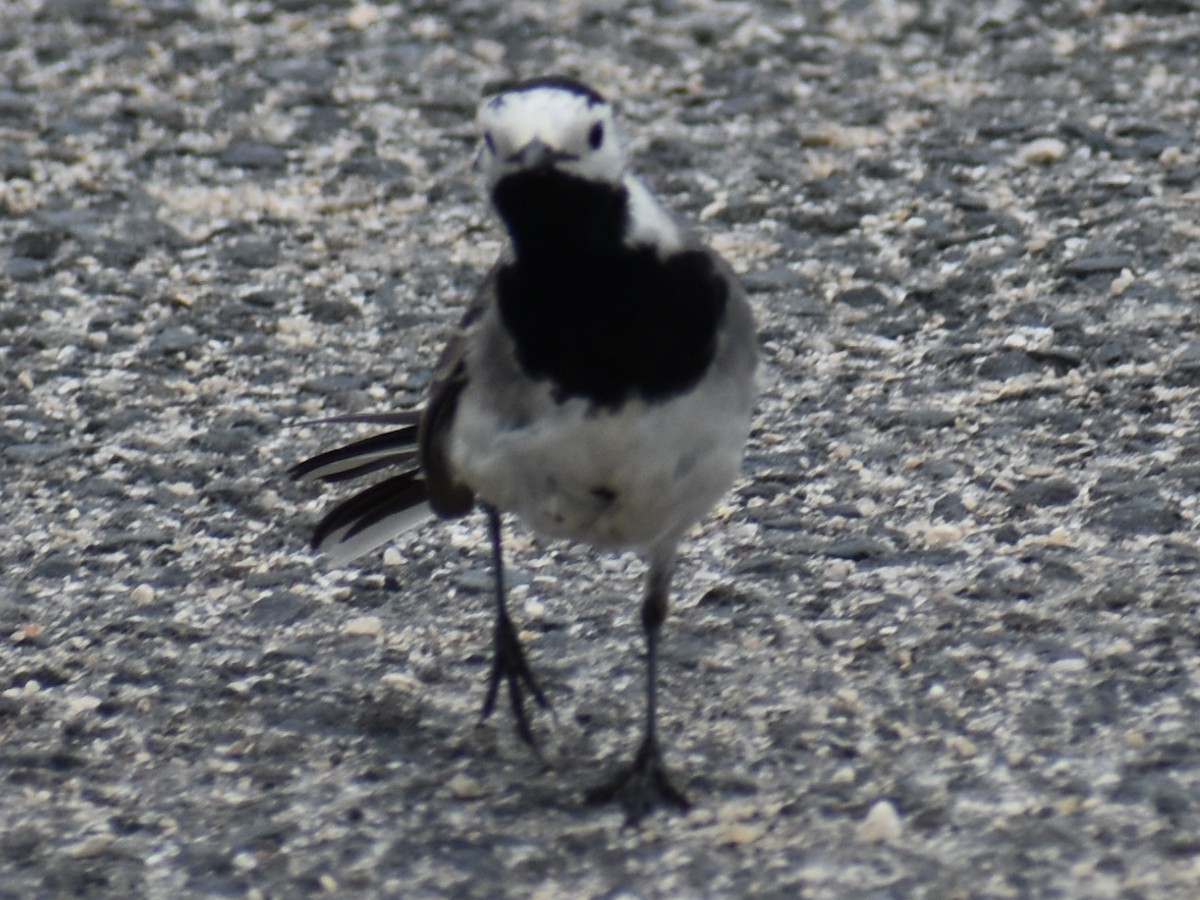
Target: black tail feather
[
  {"x": 392, "y": 448},
  {"x": 395, "y": 461},
  {"x": 400, "y": 417},
  {"x": 366, "y": 508}
]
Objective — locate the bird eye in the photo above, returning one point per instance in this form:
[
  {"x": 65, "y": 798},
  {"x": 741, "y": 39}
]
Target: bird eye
[
  {"x": 490, "y": 141},
  {"x": 596, "y": 136}
]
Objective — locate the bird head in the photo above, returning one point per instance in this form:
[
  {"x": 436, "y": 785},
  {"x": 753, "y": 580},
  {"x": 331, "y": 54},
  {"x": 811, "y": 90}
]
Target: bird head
[{"x": 551, "y": 124}]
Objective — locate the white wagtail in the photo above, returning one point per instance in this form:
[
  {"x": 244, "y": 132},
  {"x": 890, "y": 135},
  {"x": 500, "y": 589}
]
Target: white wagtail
[{"x": 599, "y": 386}]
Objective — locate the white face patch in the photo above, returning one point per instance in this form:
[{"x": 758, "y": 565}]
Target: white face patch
[
  {"x": 577, "y": 133},
  {"x": 529, "y": 126}
]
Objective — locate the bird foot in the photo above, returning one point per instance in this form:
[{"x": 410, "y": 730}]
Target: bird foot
[
  {"x": 641, "y": 786},
  {"x": 509, "y": 666}
]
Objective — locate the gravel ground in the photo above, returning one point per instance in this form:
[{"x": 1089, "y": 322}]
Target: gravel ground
[{"x": 940, "y": 642}]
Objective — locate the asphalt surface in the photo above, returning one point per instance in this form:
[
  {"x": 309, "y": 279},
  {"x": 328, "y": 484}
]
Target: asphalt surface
[{"x": 942, "y": 639}]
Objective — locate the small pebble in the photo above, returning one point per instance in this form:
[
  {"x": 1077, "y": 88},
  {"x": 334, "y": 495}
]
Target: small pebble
[
  {"x": 847, "y": 700},
  {"x": 1067, "y": 806},
  {"x": 364, "y": 626},
  {"x": 464, "y": 787},
  {"x": 1122, "y": 282},
  {"x": 26, "y": 632},
  {"x": 362, "y": 15},
  {"x": 881, "y": 826},
  {"x": 1044, "y": 151},
  {"x": 400, "y": 681},
  {"x": 78, "y": 706},
  {"x": 489, "y": 51},
  {"x": 90, "y": 846},
  {"x": 739, "y": 834},
  {"x": 943, "y": 535},
  {"x": 142, "y": 595},
  {"x": 964, "y": 748}
]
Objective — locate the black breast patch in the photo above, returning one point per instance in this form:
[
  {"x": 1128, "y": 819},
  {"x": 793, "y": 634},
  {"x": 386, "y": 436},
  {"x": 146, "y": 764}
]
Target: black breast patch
[{"x": 602, "y": 320}]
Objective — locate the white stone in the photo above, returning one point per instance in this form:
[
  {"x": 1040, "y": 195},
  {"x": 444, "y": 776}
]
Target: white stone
[{"x": 882, "y": 824}]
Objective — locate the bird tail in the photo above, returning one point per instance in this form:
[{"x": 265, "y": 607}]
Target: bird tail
[{"x": 373, "y": 516}]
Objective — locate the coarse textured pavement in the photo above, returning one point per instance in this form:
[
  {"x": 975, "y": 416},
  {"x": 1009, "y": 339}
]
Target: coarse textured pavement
[{"x": 941, "y": 641}]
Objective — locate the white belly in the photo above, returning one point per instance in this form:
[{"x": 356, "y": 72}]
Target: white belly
[{"x": 629, "y": 478}]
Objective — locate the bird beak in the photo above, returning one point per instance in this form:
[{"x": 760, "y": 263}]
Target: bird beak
[{"x": 537, "y": 154}]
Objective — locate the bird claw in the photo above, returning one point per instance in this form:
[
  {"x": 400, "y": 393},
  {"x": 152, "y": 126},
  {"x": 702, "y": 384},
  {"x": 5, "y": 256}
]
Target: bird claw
[
  {"x": 641, "y": 786},
  {"x": 509, "y": 666}
]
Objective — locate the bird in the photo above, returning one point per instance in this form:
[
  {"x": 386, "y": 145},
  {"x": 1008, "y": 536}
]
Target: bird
[{"x": 600, "y": 386}]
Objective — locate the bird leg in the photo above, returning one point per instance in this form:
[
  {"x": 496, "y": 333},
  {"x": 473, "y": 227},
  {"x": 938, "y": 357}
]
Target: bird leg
[
  {"x": 508, "y": 660},
  {"x": 644, "y": 784}
]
